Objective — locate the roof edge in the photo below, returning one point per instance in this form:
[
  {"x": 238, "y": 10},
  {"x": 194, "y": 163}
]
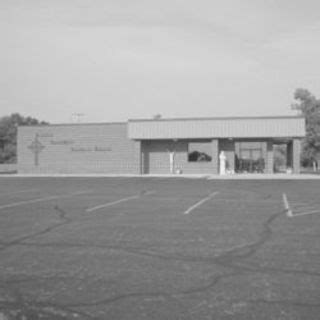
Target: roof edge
[
  {"x": 216, "y": 118},
  {"x": 70, "y": 124}
]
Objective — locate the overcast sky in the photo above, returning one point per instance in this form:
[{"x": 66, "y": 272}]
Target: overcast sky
[{"x": 117, "y": 59}]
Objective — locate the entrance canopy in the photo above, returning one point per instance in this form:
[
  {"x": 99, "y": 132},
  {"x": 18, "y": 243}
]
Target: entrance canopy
[{"x": 200, "y": 128}]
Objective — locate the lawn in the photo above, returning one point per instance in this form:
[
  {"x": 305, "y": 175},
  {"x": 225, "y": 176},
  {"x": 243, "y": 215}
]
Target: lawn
[{"x": 158, "y": 248}]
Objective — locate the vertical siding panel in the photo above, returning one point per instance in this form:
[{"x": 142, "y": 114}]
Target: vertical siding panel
[{"x": 218, "y": 128}]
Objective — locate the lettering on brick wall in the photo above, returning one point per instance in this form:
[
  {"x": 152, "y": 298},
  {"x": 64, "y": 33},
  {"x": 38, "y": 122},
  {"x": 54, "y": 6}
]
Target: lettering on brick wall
[
  {"x": 102, "y": 149},
  {"x": 62, "y": 142},
  {"x": 81, "y": 149},
  {"x": 45, "y": 135},
  {"x": 91, "y": 149}
]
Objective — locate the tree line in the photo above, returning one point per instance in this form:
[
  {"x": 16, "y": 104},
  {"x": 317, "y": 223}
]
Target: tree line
[
  {"x": 306, "y": 104},
  {"x": 8, "y": 135}
]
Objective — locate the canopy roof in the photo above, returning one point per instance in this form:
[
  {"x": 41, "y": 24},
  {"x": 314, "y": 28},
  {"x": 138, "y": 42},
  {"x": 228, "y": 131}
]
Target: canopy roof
[{"x": 198, "y": 128}]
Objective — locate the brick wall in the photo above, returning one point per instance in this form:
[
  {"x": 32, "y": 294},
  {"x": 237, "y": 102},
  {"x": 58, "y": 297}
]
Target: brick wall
[
  {"x": 155, "y": 157},
  {"x": 296, "y": 151},
  {"x": 83, "y": 148},
  {"x": 105, "y": 148}
]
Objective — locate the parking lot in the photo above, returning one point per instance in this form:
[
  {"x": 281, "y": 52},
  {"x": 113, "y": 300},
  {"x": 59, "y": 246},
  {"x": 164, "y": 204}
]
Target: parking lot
[{"x": 159, "y": 248}]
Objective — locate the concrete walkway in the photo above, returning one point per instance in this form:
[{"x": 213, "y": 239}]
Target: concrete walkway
[{"x": 278, "y": 176}]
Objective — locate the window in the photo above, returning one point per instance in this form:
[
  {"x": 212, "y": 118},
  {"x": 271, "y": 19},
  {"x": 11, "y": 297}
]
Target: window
[
  {"x": 250, "y": 157},
  {"x": 199, "y": 151}
]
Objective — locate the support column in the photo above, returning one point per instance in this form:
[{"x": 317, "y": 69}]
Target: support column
[
  {"x": 269, "y": 158},
  {"x": 290, "y": 155},
  {"x": 296, "y": 152},
  {"x": 137, "y": 157},
  {"x": 215, "y": 155}
]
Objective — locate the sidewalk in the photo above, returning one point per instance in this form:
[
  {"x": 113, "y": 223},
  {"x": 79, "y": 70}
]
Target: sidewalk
[
  {"x": 252, "y": 176},
  {"x": 277, "y": 176}
]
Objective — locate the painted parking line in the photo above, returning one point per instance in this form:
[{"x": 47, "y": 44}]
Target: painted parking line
[
  {"x": 202, "y": 201},
  {"x": 246, "y": 201},
  {"x": 286, "y": 205},
  {"x": 289, "y": 211},
  {"x": 305, "y": 213},
  {"x": 17, "y": 192},
  {"x": 109, "y": 204},
  {"x": 21, "y": 203}
]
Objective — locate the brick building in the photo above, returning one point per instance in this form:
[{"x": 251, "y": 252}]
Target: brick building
[{"x": 161, "y": 146}]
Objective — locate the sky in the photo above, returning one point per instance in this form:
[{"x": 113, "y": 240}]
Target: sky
[{"x": 113, "y": 60}]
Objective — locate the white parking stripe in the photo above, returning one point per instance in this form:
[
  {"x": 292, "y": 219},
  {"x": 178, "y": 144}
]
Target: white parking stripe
[
  {"x": 305, "y": 213},
  {"x": 17, "y": 192},
  {"x": 286, "y": 205},
  {"x": 21, "y": 203},
  {"x": 108, "y": 204},
  {"x": 247, "y": 201},
  {"x": 210, "y": 196}
]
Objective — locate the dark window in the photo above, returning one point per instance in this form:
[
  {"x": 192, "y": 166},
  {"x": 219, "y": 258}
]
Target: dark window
[
  {"x": 250, "y": 157},
  {"x": 199, "y": 151}
]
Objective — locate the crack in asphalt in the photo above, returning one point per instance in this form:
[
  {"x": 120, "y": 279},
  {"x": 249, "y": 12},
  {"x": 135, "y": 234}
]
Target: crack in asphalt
[
  {"x": 285, "y": 302},
  {"x": 142, "y": 251},
  {"x": 61, "y": 215},
  {"x": 30, "y": 310},
  {"x": 226, "y": 259},
  {"x": 229, "y": 260},
  {"x": 248, "y": 250}
]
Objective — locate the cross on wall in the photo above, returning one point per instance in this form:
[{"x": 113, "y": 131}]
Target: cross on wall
[{"x": 36, "y": 147}]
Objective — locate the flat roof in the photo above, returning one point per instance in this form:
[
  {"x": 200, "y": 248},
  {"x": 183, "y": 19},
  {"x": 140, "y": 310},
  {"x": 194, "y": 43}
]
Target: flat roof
[
  {"x": 223, "y": 127},
  {"x": 198, "y": 128},
  {"x": 71, "y": 124},
  {"x": 217, "y": 118}
]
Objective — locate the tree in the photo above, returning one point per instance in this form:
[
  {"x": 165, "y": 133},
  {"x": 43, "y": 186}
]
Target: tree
[
  {"x": 309, "y": 106},
  {"x": 8, "y": 135}
]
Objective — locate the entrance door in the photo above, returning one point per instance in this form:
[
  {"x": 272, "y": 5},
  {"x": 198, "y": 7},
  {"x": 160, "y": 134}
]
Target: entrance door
[{"x": 250, "y": 158}]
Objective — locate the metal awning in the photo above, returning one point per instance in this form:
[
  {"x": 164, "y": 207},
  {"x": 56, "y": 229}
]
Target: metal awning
[{"x": 254, "y": 127}]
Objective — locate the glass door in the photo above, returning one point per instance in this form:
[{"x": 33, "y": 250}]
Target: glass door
[{"x": 249, "y": 158}]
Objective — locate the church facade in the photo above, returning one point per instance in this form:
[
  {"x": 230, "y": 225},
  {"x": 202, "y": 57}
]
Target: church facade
[{"x": 163, "y": 146}]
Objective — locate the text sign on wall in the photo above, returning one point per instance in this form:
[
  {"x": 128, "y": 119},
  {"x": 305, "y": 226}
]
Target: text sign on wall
[
  {"x": 91, "y": 149},
  {"x": 63, "y": 142}
]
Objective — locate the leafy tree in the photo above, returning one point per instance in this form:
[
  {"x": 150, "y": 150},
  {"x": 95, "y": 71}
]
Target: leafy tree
[
  {"x": 309, "y": 106},
  {"x": 8, "y": 135}
]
